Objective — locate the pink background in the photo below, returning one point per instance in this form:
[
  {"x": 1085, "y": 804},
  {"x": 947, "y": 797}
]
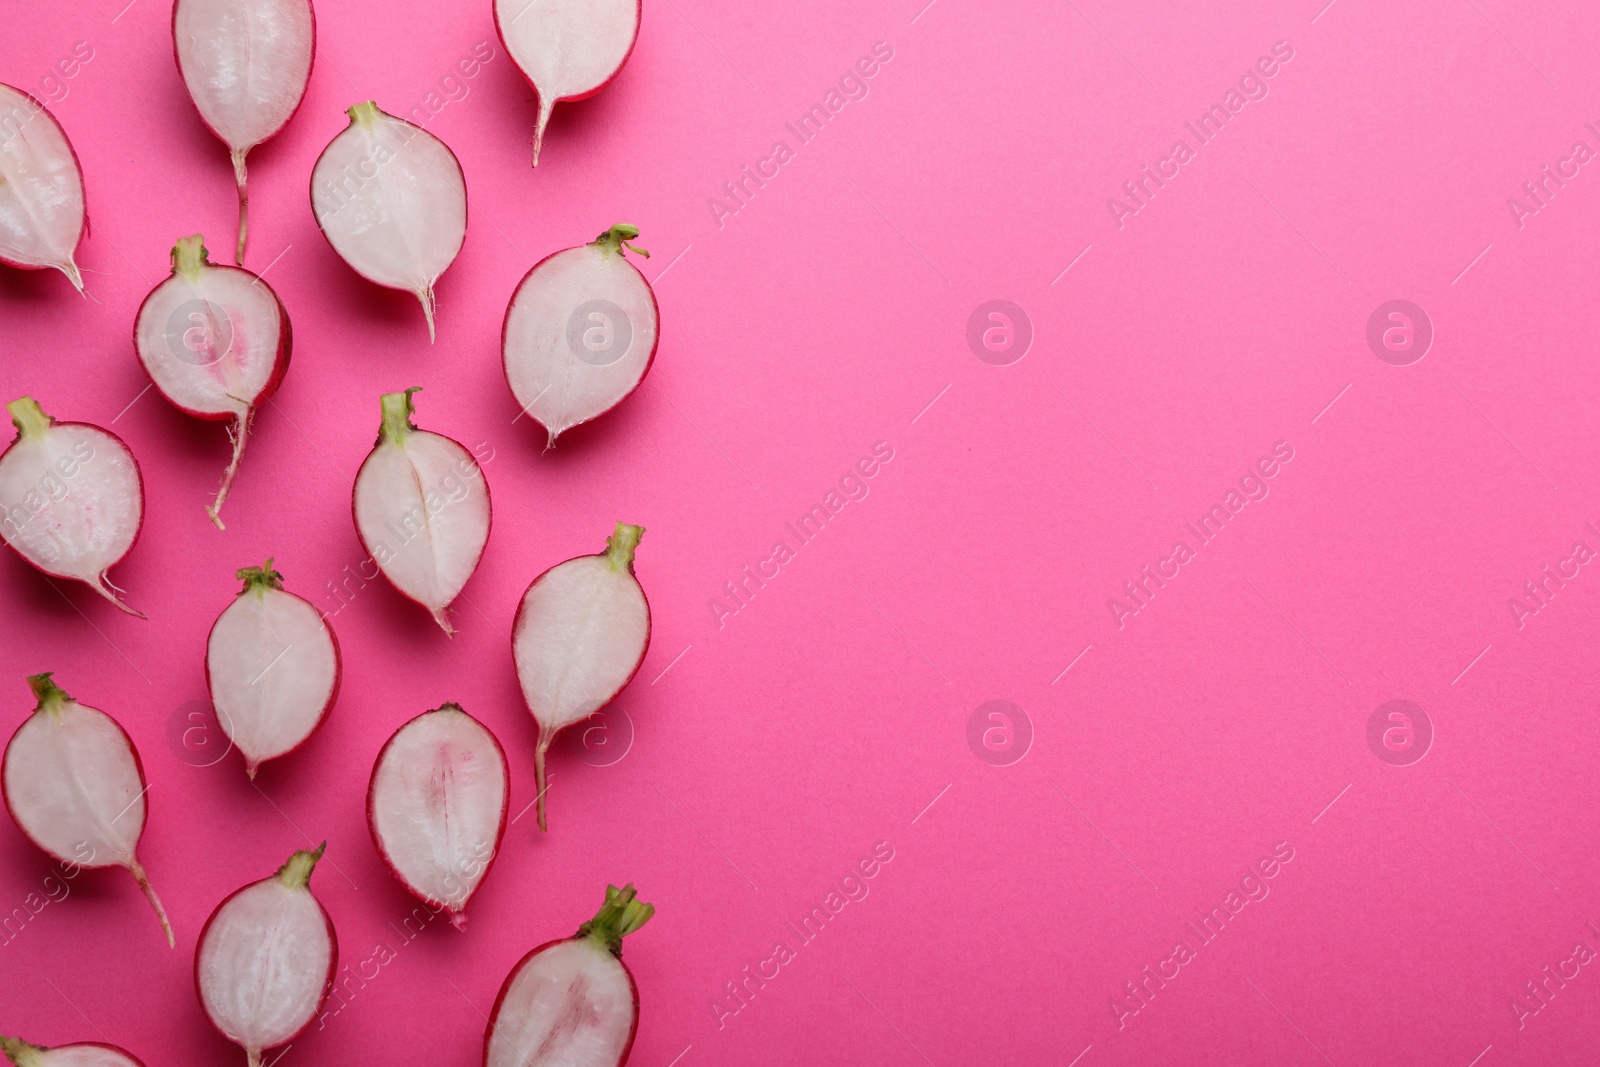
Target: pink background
[{"x": 774, "y": 751}]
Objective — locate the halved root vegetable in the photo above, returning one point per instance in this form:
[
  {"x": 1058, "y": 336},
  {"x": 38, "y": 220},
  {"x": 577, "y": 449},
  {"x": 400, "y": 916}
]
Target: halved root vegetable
[
  {"x": 421, "y": 507},
  {"x": 216, "y": 341},
  {"x": 580, "y": 634},
  {"x": 437, "y": 806},
  {"x": 75, "y": 786},
  {"x": 571, "y": 1003},
  {"x": 71, "y": 498},
  {"x": 273, "y": 668},
  {"x": 83, "y": 1054},
  {"x": 580, "y": 332},
  {"x": 42, "y": 213},
  {"x": 246, "y": 64},
  {"x": 266, "y": 957},
  {"x": 567, "y": 49},
  {"x": 392, "y": 201}
]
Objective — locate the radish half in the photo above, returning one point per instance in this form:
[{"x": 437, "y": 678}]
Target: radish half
[
  {"x": 580, "y": 332},
  {"x": 42, "y": 213},
  {"x": 246, "y": 64},
  {"x": 571, "y": 1003},
  {"x": 71, "y": 498},
  {"x": 567, "y": 49},
  {"x": 580, "y": 634},
  {"x": 75, "y": 786},
  {"x": 273, "y": 668},
  {"x": 437, "y": 806},
  {"x": 84, "y": 1054},
  {"x": 392, "y": 201},
  {"x": 266, "y": 957},
  {"x": 421, "y": 507},
  {"x": 216, "y": 341}
]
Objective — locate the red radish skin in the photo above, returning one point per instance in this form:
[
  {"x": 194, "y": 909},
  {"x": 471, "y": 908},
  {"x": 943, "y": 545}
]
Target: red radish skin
[
  {"x": 567, "y": 49},
  {"x": 265, "y": 961},
  {"x": 392, "y": 201},
  {"x": 437, "y": 807},
  {"x": 580, "y": 332},
  {"x": 272, "y": 667},
  {"x": 74, "y": 785},
  {"x": 246, "y": 64},
  {"x": 71, "y": 498},
  {"x": 43, "y": 217},
  {"x": 421, "y": 508},
  {"x": 580, "y": 634},
  {"x": 83, "y": 1054},
  {"x": 215, "y": 341},
  {"x": 573, "y": 1002}
]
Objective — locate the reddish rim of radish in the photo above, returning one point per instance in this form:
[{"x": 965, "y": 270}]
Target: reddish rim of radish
[
  {"x": 613, "y": 946},
  {"x": 264, "y": 574},
  {"x": 458, "y": 916},
  {"x": 333, "y": 940},
  {"x": 505, "y": 323},
  {"x": 13, "y": 1047},
  {"x": 499, "y": 31},
  {"x": 138, "y": 473},
  {"x": 75, "y": 278},
  {"x": 238, "y": 162}
]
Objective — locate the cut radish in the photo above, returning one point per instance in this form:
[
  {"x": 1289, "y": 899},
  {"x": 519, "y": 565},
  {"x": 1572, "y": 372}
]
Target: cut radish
[
  {"x": 580, "y": 634},
  {"x": 75, "y": 786},
  {"x": 567, "y": 49},
  {"x": 437, "y": 806},
  {"x": 215, "y": 340},
  {"x": 71, "y": 498},
  {"x": 273, "y": 668},
  {"x": 42, "y": 213},
  {"x": 84, "y": 1054},
  {"x": 573, "y": 1002},
  {"x": 421, "y": 507},
  {"x": 392, "y": 201},
  {"x": 266, "y": 957},
  {"x": 580, "y": 332},
  {"x": 246, "y": 64}
]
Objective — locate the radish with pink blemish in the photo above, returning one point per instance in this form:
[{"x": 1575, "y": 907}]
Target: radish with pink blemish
[
  {"x": 246, "y": 64},
  {"x": 573, "y": 1002},
  {"x": 42, "y": 214},
  {"x": 437, "y": 806},
  {"x": 215, "y": 340},
  {"x": 82, "y": 1054},
  {"x": 75, "y": 786},
  {"x": 71, "y": 498},
  {"x": 265, "y": 961},
  {"x": 272, "y": 666},
  {"x": 579, "y": 637}
]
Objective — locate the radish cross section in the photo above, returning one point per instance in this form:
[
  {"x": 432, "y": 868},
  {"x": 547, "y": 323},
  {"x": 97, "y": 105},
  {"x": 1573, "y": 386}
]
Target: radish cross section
[
  {"x": 75, "y": 786},
  {"x": 580, "y": 634},
  {"x": 83, "y": 1054},
  {"x": 42, "y": 213}
]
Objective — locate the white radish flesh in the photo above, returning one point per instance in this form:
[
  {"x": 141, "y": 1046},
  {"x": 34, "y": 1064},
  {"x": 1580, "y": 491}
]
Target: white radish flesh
[
  {"x": 266, "y": 959},
  {"x": 580, "y": 332},
  {"x": 421, "y": 507},
  {"x": 75, "y": 786},
  {"x": 437, "y": 806},
  {"x": 216, "y": 341},
  {"x": 571, "y": 1003},
  {"x": 71, "y": 498},
  {"x": 392, "y": 201},
  {"x": 580, "y": 634},
  {"x": 246, "y": 64},
  {"x": 567, "y": 49},
  {"x": 42, "y": 213},
  {"x": 273, "y": 668},
  {"x": 85, "y": 1054}
]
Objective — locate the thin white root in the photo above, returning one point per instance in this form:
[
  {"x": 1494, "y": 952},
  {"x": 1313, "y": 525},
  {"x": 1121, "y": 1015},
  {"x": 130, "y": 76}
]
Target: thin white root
[
  {"x": 443, "y": 620},
  {"x": 241, "y": 178},
  {"x": 426, "y": 296},
  {"x": 539, "y": 775},
  {"x": 155, "y": 901},
  {"x": 538, "y": 130},
  {"x": 103, "y": 586},
  {"x": 74, "y": 276},
  {"x": 238, "y": 433}
]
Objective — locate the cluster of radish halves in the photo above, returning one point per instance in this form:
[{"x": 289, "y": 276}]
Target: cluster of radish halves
[{"x": 580, "y": 333}]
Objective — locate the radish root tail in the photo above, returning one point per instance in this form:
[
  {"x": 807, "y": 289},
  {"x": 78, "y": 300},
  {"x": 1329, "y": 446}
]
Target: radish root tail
[
  {"x": 74, "y": 276},
  {"x": 241, "y": 177},
  {"x": 443, "y": 620},
  {"x": 238, "y": 433},
  {"x": 155, "y": 901},
  {"x": 426, "y": 296},
  {"x": 538, "y": 131},
  {"x": 539, "y": 781},
  {"x": 103, "y": 586}
]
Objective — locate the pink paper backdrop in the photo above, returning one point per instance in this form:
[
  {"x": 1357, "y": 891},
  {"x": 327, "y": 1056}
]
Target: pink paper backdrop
[{"x": 1210, "y": 323}]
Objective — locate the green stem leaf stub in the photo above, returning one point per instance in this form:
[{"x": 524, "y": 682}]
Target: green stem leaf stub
[
  {"x": 620, "y": 916},
  {"x": 49, "y": 695},
  {"x": 618, "y": 237},
  {"x": 28, "y": 417},
  {"x": 21, "y": 1053},
  {"x": 296, "y": 874},
  {"x": 397, "y": 412},
  {"x": 620, "y": 546},
  {"x": 364, "y": 114},
  {"x": 259, "y": 578},
  {"x": 189, "y": 257}
]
